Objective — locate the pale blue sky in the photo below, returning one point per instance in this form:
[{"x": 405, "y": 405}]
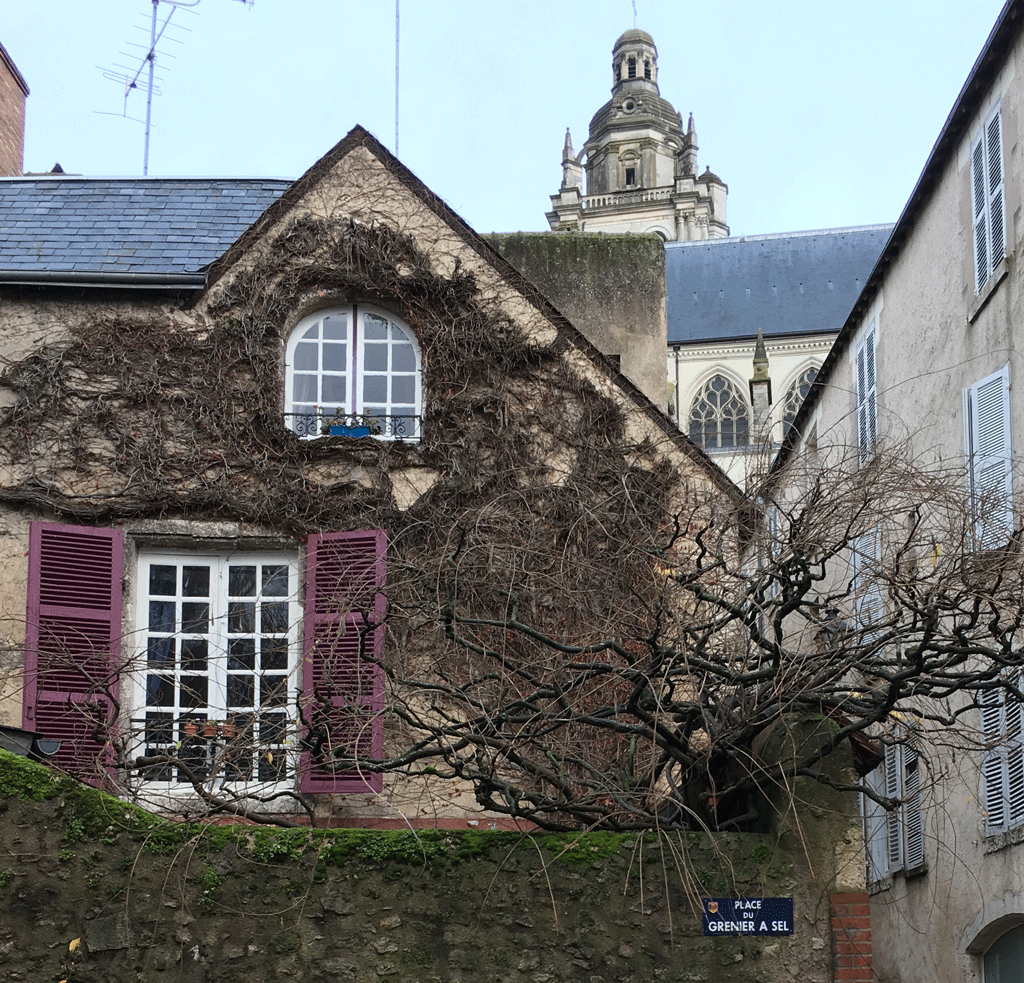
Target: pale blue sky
[{"x": 816, "y": 113}]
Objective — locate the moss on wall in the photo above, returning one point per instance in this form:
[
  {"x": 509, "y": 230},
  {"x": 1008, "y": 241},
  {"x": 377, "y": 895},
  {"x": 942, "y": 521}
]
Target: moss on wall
[
  {"x": 612, "y": 287},
  {"x": 95, "y": 890}
]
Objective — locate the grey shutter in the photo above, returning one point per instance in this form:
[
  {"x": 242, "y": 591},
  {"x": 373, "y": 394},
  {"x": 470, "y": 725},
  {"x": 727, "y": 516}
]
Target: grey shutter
[
  {"x": 893, "y": 789},
  {"x": 874, "y": 827},
  {"x": 979, "y": 211},
  {"x": 990, "y": 473},
  {"x": 993, "y": 763},
  {"x": 867, "y": 414},
  {"x": 1013, "y": 715},
  {"x": 913, "y": 815},
  {"x": 996, "y": 217}
]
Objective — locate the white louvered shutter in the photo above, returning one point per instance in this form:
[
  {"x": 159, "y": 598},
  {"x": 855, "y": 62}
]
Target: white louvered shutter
[
  {"x": 867, "y": 418},
  {"x": 979, "y": 200},
  {"x": 874, "y": 827},
  {"x": 990, "y": 472},
  {"x": 993, "y": 764},
  {"x": 1013, "y": 714},
  {"x": 913, "y": 815},
  {"x": 994, "y": 164},
  {"x": 988, "y": 205},
  {"x": 893, "y": 789}
]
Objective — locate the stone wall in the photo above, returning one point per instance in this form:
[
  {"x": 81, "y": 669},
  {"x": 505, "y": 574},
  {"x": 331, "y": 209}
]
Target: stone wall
[
  {"x": 92, "y": 889},
  {"x": 612, "y": 287}
]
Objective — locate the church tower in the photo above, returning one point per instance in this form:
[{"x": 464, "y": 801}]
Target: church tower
[{"x": 641, "y": 167}]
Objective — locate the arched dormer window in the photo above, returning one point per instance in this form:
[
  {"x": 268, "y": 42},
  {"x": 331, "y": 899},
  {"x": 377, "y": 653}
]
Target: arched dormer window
[
  {"x": 353, "y": 371},
  {"x": 718, "y": 416},
  {"x": 796, "y": 395}
]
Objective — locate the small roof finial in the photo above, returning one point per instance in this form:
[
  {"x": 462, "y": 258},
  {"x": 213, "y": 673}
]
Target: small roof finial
[{"x": 567, "y": 152}]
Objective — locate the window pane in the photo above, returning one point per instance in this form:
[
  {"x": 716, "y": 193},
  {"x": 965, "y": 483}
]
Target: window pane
[
  {"x": 306, "y": 357},
  {"x": 195, "y": 617},
  {"x": 403, "y": 389},
  {"x": 195, "y": 581},
  {"x": 374, "y": 328},
  {"x": 304, "y": 389},
  {"x": 159, "y": 691},
  {"x": 161, "y": 616},
  {"x": 274, "y": 617},
  {"x": 334, "y": 390},
  {"x": 403, "y": 358},
  {"x": 275, "y": 581},
  {"x": 274, "y": 653},
  {"x": 160, "y": 650},
  {"x": 375, "y": 389},
  {"x": 242, "y": 581},
  {"x": 241, "y": 617},
  {"x": 163, "y": 579},
  {"x": 335, "y": 327},
  {"x": 193, "y": 654},
  {"x": 240, "y": 691},
  {"x": 242, "y": 653},
  {"x": 193, "y": 691},
  {"x": 273, "y": 691},
  {"x": 375, "y": 358},
  {"x": 335, "y": 358}
]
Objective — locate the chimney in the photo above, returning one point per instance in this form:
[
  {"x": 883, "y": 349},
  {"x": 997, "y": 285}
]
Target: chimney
[{"x": 13, "y": 91}]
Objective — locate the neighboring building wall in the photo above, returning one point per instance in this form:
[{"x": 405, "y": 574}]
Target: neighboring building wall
[
  {"x": 936, "y": 335},
  {"x": 611, "y": 287},
  {"x": 13, "y": 92}
]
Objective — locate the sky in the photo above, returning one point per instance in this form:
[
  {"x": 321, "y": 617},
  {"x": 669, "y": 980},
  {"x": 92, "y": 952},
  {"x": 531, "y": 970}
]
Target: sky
[{"x": 816, "y": 113}]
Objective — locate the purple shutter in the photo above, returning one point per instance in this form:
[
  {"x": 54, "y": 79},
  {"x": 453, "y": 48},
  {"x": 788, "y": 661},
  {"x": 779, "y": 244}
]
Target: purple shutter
[
  {"x": 342, "y": 678},
  {"x": 73, "y": 643}
]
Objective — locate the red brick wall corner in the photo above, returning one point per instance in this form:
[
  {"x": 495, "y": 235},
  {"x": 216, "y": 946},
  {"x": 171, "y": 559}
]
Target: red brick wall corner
[{"x": 851, "y": 938}]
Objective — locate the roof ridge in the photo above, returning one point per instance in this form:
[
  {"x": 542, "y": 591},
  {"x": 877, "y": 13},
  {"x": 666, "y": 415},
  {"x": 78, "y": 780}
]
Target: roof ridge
[{"x": 877, "y": 227}]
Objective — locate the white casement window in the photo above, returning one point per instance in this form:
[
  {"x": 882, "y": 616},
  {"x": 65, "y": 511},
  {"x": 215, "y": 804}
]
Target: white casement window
[
  {"x": 353, "y": 371},
  {"x": 867, "y": 396},
  {"x": 1002, "y": 766},
  {"x": 989, "y": 459},
  {"x": 895, "y": 838},
  {"x": 216, "y": 681},
  {"x": 987, "y": 199}
]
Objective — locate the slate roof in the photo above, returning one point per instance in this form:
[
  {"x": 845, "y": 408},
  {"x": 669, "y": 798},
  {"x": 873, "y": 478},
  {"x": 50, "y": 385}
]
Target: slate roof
[
  {"x": 788, "y": 284},
  {"x": 148, "y": 231}
]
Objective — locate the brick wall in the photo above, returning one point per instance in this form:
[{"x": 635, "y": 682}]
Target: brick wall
[
  {"x": 12, "y": 118},
  {"x": 851, "y": 938}
]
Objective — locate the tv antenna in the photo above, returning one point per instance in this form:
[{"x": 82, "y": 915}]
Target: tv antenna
[{"x": 131, "y": 76}]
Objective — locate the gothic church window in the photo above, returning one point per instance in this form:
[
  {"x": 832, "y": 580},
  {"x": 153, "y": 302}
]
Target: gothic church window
[
  {"x": 795, "y": 397},
  {"x": 719, "y": 417},
  {"x": 353, "y": 371}
]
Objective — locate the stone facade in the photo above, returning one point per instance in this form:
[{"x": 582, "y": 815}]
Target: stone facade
[{"x": 641, "y": 167}]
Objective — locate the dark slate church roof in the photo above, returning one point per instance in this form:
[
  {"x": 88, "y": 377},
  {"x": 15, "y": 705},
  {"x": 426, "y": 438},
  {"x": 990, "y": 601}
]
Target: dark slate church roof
[
  {"x": 788, "y": 284},
  {"x": 147, "y": 231}
]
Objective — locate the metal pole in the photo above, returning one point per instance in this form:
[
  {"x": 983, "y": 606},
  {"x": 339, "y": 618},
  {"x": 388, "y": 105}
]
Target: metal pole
[
  {"x": 396, "y": 77},
  {"x": 149, "y": 94}
]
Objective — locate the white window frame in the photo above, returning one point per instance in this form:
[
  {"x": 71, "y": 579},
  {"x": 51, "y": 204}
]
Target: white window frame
[
  {"x": 865, "y": 377},
  {"x": 988, "y": 199},
  {"x": 865, "y": 587},
  {"x": 216, "y": 744},
  {"x": 989, "y": 457},
  {"x": 354, "y": 412},
  {"x": 1002, "y": 763},
  {"x": 895, "y": 840}
]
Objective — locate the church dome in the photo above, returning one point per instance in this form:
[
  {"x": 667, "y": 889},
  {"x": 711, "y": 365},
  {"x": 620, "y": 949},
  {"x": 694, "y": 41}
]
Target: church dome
[{"x": 631, "y": 37}]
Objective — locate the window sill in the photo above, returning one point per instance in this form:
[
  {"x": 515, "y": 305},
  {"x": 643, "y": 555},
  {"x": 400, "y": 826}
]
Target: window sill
[
  {"x": 889, "y": 881},
  {"x": 985, "y": 294},
  {"x": 994, "y": 842}
]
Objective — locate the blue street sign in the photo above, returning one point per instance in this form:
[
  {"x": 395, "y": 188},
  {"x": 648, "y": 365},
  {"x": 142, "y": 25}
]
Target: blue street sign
[{"x": 748, "y": 916}]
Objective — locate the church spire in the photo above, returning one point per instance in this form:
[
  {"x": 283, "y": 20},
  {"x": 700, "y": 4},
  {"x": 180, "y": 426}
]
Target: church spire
[{"x": 572, "y": 170}]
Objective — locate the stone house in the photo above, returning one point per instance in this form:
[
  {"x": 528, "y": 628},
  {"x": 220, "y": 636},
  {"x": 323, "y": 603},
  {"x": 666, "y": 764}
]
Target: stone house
[
  {"x": 264, "y": 444},
  {"x": 927, "y": 367}
]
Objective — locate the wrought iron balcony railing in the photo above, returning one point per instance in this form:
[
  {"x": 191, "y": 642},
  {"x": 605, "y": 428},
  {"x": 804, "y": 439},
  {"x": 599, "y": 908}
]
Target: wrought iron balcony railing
[{"x": 399, "y": 426}]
